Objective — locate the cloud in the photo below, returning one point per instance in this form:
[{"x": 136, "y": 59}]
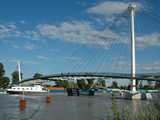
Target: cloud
[
  {"x": 114, "y": 13},
  {"x": 72, "y": 58},
  {"x": 23, "y": 61},
  {"x": 31, "y": 34},
  {"x": 80, "y": 32},
  {"x": 30, "y": 46},
  {"x": 75, "y": 31},
  {"x": 8, "y": 30},
  {"x": 84, "y": 32},
  {"x": 22, "y": 22},
  {"x": 30, "y": 62},
  {"x": 12, "y": 30},
  {"x": 149, "y": 67},
  {"x": 112, "y": 7},
  {"x": 148, "y": 40},
  {"x": 122, "y": 64},
  {"x": 42, "y": 57},
  {"x": 24, "y": 44}
]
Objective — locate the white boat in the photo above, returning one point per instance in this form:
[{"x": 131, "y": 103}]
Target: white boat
[
  {"x": 20, "y": 89},
  {"x": 36, "y": 89}
]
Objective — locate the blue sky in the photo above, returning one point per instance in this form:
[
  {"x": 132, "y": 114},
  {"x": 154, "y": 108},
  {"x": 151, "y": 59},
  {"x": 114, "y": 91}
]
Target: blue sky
[{"x": 54, "y": 36}]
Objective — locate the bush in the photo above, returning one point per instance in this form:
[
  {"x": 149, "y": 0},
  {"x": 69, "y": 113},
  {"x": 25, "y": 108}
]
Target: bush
[{"x": 150, "y": 111}]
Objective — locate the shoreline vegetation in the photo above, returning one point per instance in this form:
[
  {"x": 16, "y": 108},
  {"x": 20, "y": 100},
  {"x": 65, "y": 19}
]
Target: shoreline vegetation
[{"x": 150, "y": 111}]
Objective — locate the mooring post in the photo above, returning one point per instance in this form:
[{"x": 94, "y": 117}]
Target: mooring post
[{"x": 22, "y": 102}]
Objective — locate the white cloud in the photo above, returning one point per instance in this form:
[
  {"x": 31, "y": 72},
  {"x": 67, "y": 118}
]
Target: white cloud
[
  {"x": 11, "y": 30},
  {"x": 7, "y": 30},
  {"x": 15, "y": 60},
  {"x": 23, "y": 22},
  {"x": 113, "y": 12},
  {"x": 30, "y": 34},
  {"x": 124, "y": 65},
  {"x": 15, "y": 46},
  {"x": 42, "y": 57},
  {"x": 30, "y": 46},
  {"x": 148, "y": 40},
  {"x": 149, "y": 67},
  {"x": 72, "y": 58},
  {"x": 111, "y": 7},
  {"x": 84, "y": 32},
  {"x": 80, "y": 32}
]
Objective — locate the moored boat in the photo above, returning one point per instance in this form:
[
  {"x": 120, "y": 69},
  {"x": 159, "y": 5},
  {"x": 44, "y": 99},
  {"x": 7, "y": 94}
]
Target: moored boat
[{"x": 35, "y": 89}]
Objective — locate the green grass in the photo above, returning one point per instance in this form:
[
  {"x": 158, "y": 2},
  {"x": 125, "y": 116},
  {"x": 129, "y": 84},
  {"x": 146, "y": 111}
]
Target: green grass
[{"x": 150, "y": 111}]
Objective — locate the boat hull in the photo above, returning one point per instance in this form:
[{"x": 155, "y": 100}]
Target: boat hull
[{"x": 27, "y": 92}]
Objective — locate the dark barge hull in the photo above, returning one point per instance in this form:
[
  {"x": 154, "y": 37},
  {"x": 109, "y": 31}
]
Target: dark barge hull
[{"x": 26, "y": 93}]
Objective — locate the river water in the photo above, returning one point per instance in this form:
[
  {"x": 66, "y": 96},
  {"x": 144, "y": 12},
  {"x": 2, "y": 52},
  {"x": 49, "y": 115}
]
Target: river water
[{"x": 63, "y": 107}]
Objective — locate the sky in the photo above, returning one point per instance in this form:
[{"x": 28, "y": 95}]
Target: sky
[{"x": 54, "y": 36}]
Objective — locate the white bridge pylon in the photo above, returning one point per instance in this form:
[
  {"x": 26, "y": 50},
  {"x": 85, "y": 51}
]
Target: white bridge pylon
[{"x": 131, "y": 9}]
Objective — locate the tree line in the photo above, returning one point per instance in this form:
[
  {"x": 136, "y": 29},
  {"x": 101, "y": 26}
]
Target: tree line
[
  {"x": 4, "y": 80},
  {"x": 82, "y": 84}
]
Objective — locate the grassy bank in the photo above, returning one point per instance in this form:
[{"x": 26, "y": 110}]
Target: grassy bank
[{"x": 150, "y": 111}]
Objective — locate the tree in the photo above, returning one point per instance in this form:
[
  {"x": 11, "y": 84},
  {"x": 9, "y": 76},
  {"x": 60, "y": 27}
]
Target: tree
[
  {"x": 65, "y": 84},
  {"x": 140, "y": 85},
  {"x": 90, "y": 83},
  {"x": 102, "y": 83},
  {"x": 37, "y": 75},
  {"x": 129, "y": 87},
  {"x": 81, "y": 84},
  {"x": 114, "y": 84},
  {"x": 157, "y": 85},
  {"x": 15, "y": 77},
  {"x": 4, "y": 81},
  {"x": 2, "y": 71},
  {"x": 62, "y": 83},
  {"x": 150, "y": 84}
]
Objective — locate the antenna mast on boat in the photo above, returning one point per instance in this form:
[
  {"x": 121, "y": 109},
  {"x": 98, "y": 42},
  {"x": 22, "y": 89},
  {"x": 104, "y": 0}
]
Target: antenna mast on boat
[{"x": 19, "y": 70}]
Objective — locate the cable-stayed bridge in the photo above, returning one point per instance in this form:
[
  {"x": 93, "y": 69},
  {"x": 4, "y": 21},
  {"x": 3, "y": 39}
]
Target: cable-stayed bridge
[
  {"x": 79, "y": 76},
  {"x": 133, "y": 76}
]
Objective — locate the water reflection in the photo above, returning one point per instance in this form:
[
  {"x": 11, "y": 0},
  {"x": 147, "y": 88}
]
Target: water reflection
[{"x": 135, "y": 105}]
